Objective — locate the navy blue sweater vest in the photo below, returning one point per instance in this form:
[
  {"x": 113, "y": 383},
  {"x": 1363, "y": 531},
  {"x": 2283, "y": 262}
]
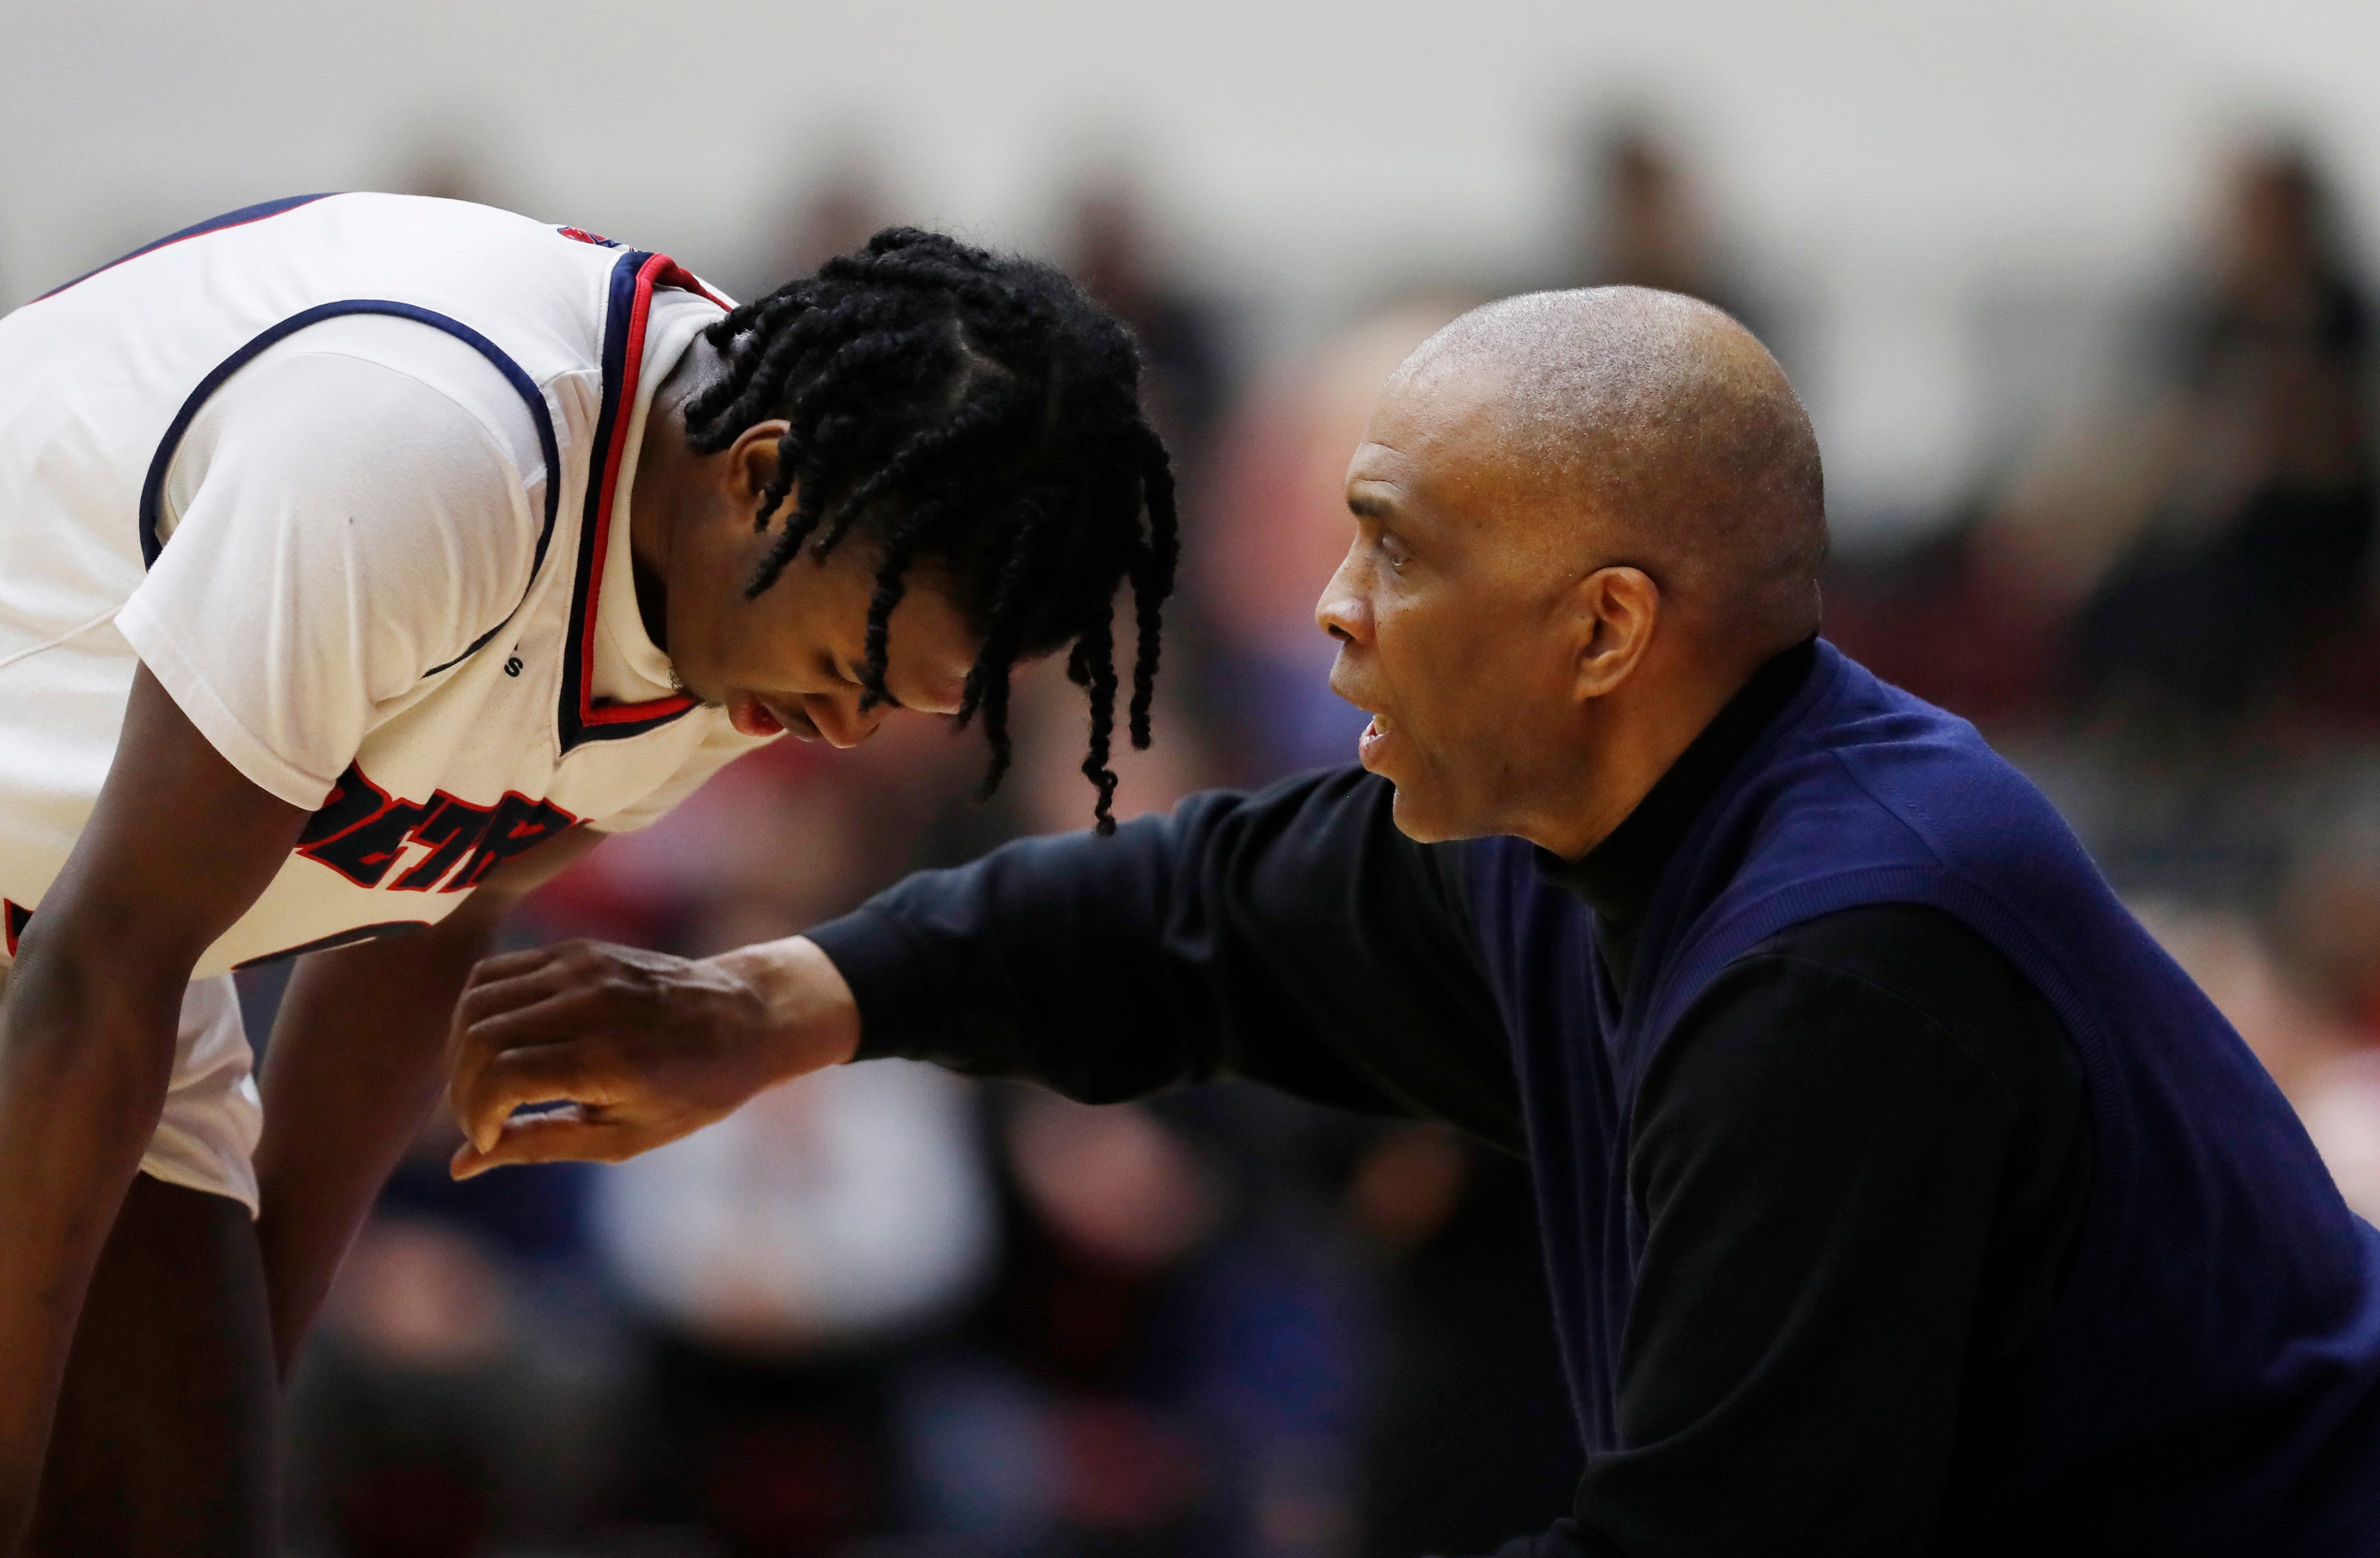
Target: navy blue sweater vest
[{"x": 2209, "y": 1378}]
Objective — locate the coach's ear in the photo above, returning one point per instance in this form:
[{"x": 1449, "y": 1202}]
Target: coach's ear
[{"x": 1613, "y": 613}]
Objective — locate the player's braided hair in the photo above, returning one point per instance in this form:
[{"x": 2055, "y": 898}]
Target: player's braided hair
[{"x": 979, "y": 415}]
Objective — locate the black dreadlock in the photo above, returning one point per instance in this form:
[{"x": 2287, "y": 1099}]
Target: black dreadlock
[{"x": 980, "y": 413}]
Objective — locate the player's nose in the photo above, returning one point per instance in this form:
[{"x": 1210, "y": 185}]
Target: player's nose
[{"x": 841, "y": 721}]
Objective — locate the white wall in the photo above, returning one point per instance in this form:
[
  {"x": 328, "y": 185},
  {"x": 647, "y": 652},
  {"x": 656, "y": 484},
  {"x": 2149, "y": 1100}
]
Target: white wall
[{"x": 1882, "y": 163}]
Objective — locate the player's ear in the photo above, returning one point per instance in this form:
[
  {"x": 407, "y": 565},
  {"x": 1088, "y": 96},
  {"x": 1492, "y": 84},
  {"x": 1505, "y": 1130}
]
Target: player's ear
[{"x": 752, "y": 460}]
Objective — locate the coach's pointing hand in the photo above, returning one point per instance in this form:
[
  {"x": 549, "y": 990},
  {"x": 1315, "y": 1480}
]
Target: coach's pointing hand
[{"x": 636, "y": 1048}]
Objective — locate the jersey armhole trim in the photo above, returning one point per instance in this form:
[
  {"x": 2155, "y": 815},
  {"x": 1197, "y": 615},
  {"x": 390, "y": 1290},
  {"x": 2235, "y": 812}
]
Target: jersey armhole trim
[{"x": 152, "y": 489}]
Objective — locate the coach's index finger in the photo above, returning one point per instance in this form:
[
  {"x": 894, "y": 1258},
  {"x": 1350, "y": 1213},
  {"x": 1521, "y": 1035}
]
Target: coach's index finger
[
  {"x": 518, "y": 978},
  {"x": 515, "y": 1014},
  {"x": 563, "y": 1136},
  {"x": 578, "y": 1073},
  {"x": 508, "y": 964}
]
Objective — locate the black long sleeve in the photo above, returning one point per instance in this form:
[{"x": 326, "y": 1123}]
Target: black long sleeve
[
  {"x": 1861, "y": 1162},
  {"x": 1861, "y": 1159},
  {"x": 1291, "y": 936}
]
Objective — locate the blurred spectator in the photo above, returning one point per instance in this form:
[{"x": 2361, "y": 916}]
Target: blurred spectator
[
  {"x": 2224, "y": 952},
  {"x": 469, "y": 1385},
  {"x": 2329, "y": 921},
  {"x": 2306, "y": 1012},
  {"x": 1164, "y": 1369},
  {"x": 835, "y": 213},
  {"x": 771, "y": 844},
  {"x": 1640, "y": 224},
  {"x": 2181, "y": 567},
  {"x": 2216, "y": 539},
  {"x": 1046, "y": 792},
  {"x": 836, "y": 1211},
  {"x": 446, "y": 176},
  {"x": 782, "y": 1259},
  {"x": 448, "y": 157},
  {"x": 1967, "y": 619},
  {"x": 1110, "y": 252},
  {"x": 449, "y": 1405},
  {"x": 1470, "y": 1436},
  {"x": 2256, "y": 539},
  {"x": 2342, "y": 1113},
  {"x": 1276, "y": 528}
]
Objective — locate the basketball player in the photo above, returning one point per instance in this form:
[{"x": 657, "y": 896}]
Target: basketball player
[{"x": 363, "y": 560}]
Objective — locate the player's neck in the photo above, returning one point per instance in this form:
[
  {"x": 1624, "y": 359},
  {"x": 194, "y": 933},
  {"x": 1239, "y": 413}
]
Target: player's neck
[{"x": 667, "y": 472}]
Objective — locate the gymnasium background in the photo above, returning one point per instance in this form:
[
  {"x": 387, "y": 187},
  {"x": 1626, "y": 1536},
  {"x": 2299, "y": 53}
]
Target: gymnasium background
[{"x": 2080, "y": 297}]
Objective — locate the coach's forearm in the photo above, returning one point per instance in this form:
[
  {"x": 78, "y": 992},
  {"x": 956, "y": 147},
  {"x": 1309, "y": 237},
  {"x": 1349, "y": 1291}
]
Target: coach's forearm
[
  {"x": 86, "y": 1056},
  {"x": 351, "y": 1073},
  {"x": 1292, "y": 936}
]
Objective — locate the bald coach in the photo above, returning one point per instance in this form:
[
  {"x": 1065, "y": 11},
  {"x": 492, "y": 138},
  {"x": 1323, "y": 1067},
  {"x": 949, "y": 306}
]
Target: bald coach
[{"x": 1899, "y": 1196}]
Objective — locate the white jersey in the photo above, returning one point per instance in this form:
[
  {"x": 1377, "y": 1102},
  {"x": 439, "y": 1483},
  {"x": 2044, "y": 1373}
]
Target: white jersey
[{"x": 350, "y": 475}]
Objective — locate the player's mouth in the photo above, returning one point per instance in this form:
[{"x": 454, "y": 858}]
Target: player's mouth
[
  {"x": 1374, "y": 738},
  {"x": 752, "y": 717},
  {"x": 749, "y": 718}
]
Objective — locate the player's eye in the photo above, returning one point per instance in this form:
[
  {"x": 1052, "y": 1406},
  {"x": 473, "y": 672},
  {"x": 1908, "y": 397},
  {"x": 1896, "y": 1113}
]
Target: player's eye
[{"x": 849, "y": 674}]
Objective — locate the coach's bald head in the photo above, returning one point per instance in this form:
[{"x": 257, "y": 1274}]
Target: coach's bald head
[
  {"x": 1582, "y": 519},
  {"x": 1646, "y": 427}
]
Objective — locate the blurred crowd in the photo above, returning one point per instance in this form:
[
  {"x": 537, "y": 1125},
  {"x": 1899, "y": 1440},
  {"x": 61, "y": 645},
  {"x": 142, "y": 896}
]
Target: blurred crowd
[{"x": 885, "y": 1311}]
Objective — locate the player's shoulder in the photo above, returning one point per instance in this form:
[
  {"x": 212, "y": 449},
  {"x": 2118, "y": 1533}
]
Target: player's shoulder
[
  {"x": 430, "y": 223},
  {"x": 438, "y": 476},
  {"x": 396, "y": 385}
]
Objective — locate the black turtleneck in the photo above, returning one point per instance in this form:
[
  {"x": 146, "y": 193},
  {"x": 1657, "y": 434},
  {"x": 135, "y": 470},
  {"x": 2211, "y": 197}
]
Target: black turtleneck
[
  {"x": 1617, "y": 877},
  {"x": 1861, "y": 1158}
]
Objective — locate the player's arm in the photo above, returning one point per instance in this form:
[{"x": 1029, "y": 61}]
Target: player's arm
[
  {"x": 1291, "y": 936},
  {"x": 353, "y": 1070},
  {"x": 177, "y": 847}
]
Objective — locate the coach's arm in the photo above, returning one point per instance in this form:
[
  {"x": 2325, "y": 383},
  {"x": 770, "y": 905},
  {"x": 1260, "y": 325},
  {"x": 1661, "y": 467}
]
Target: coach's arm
[{"x": 1291, "y": 936}]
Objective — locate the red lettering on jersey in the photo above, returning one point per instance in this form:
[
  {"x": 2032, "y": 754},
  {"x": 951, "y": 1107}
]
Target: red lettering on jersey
[{"x": 361, "y": 830}]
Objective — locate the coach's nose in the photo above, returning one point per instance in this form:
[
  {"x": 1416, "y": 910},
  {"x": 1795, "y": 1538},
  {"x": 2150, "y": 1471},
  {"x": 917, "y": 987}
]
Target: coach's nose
[{"x": 1344, "y": 610}]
